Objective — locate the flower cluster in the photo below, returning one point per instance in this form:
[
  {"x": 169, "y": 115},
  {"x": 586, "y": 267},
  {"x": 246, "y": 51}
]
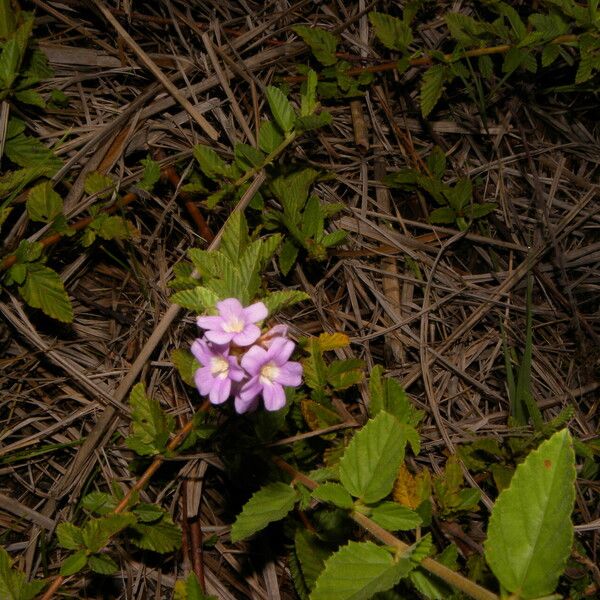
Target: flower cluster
[{"x": 238, "y": 360}]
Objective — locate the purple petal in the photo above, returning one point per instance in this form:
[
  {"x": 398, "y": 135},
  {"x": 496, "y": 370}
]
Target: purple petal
[
  {"x": 235, "y": 372},
  {"x": 219, "y": 337},
  {"x": 274, "y": 396},
  {"x": 290, "y": 374},
  {"x": 210, "y": 322},
  {"x": 242, "y": 406},
  {"x": 201, "y": 352},
  {"x": 250, "y": 390},
  {"x": 280, "y": 350},
  {"x": 250, "y": 334},
  {"x": 230, "y": 308},
  {"x": 255, "y": 312},
  {"x": 254, "y": 359},
  {"x": 220, "y": 390},
  {"x": 275, "y": 332},
  {"x": 203, "y": 380}
]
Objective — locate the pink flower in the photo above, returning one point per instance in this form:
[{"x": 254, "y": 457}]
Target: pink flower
[
  {"x": 269, "y": 371},
  {"x": 218, "y": 371},
  {"x": 235, "y": 323}
]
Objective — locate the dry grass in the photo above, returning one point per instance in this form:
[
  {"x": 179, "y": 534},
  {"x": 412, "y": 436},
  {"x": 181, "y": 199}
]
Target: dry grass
[{"x": 426, "y": 301}]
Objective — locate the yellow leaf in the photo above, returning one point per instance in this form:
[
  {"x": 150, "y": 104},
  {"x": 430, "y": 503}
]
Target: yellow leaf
[
  {"x": 331, "y": 341},
  {"x": 411, "y": 490}
]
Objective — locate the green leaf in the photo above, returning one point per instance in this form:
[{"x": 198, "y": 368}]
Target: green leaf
[
  {"x": 315, "y": 371},
  {"x": 150, "y": 175},
  {"x": 313, "y": 222},
  {"x": 271, "y": 503},
  {"x": 311, "y": 554},
  {"x": 333, "y": 493},
  {"x": 110, "y": 227},
  {"x": 17, "y": 274},
  {"x": 442, "y": 215},
  {"x": 322, "y": 43},
  {"x": 163, "y": 536},
  {"x": 432, "y": 86},
  {"x": 376, "y": 391},
  {"x": 395, "y": 517},
  {"x": 190, "y": 589},
  {"x": 269, "y": 137},
  {"x": 74, "y": 563},
  {"x": 13, "y": 583},
  {"x": 358, "y": 571},
  {"x": 150, "y": 424},
  {"x": 212, "y": 165},
  {"x": 100, "y": 503},
  {"x": 43, "y": 203},
  {"x": 97, "y": 183},
  {"x": 436, "y": 162},
  {"x": 149, "y": 513},
  {"x": 393, "y": 33},
  {"x": 335, "y": 238},
  {"x": 8, "y": 21},
  {"x": 97, "y": 532},
  {"x": 103, "y": 564},
  {"x": 28, "y": 251},
  {"x": 30, "y": 153},
  {"x": 44, "y": 289},
  {"x": 310, "y": 122},
  {"x": 248, "y": 157},
  {"x": 342, "y": 374},
  {"x": 69, "y": 536},
  {"x": 308, "y": 94},
  {"x": 370, "y": 463},
  {"x": 287, "y": 256},
  {"x": 281, "y": 109},
  {"x": 30, "y": 97},
  {"x": 198, "y": 299},
  {"x": 186, "y": 365},
  {"x": 549, "y": 54},
  {"x": 235, "y": 237},
  {"x": 530, "y": 532},
  {"x": 277, "y": 301},
  {"x": 292, "y": 192}
]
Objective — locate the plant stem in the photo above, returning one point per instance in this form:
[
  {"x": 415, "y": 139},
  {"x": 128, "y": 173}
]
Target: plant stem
[{"x": 451, "y": 577}]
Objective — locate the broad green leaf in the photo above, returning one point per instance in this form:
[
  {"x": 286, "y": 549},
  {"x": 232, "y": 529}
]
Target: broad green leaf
[
  {"x": 212, "y": 165},
  {"x": 342, "y": 374},
  {"x": 292, "y": 192},
  {"x": 281, "y": 109},
  {"x": 111, "y": 227},
  {"x": 436, "y": 162},
  {"x": 28, "y": 251},
  {"x": 269, "y": 137},
  {"x": 74, "y": 563},
  {"x": 235, "y": 237},
  {"x": 394, "y": 517},
  {"x": 8, "y": 21},
  {"x": 316, "y": 121},
  {"x": 315, "y": 370},
  {"x": 277, "y": 301},
  {"x": 30, "y": 97},
  {"x": 333, "y": 493},
  {"x": 103, "y": 564},
  {"x": 150, "y": 174},
  {"x": 358, "y": 571},
  {"x": 313, "y": 219},
  {"x": 442, "y": 215},
  {"x": 371, "y": 460},
  {"x": 432, "y": 86},
  {"x": 100, "y": 503},
  {"x": 151, "y": 426},
  {"x": 97, "y": 532},
  {"x": 322, "y": 43},
  {"x": 148, "y": 513},
  {"x": 186, "y": 365},
  {"x": 248, "y": 157},
  {"x": 97, "y": 183},
  {"x": 376, "y": 391},
  {"x": 530, "y": 532},
  {"x": 29, "y": 152},
  {"x": 69, "y": 536},
  {"x": 189, "y": 589},
  {"x": 43, "y": 203},
  {"x": 311, "y": 554},
  {"x": 393, "y": 33},
  {"x": 17, "y": 274},
  {"x": 332, "y": 341},
  {"x": 198, "y": 299},
  {"x": 271, "y": 503},
  {"x": 308, "y": 94},
  {"x": 13, "y": 583},
  {"x": 287, "y": 256},
  {"x": 162, "y": 536},
  {"x": 44, "y": 289}
]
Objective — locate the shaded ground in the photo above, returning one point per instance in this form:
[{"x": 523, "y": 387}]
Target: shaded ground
[{"x": 430, "y": 303}]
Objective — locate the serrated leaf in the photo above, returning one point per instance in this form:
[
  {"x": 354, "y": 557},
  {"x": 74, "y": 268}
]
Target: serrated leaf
[
  {"x": 394, "y": 517},
  {"x": 151, "y": 426},
  {"x": 287, "y": 256},
  {"x": 97, "y": 183},
  {"x": 442, "y": 215},
  {"x": 281, "y": 109},
  {"x": 150, "y": 174},
  {"x": 186, "y": 365},
  {"x": 277, "y": 301},
  {"x": 318, "y": 416},
  {"x": 530, "y": 532},
  {"x": 17, "y": 274},
  {"x": 316, "y": 121},
  {"x": 30, "y": 97},
  {"x": 44, "y": 289},
  {"x": 198, "y": 299},
  {"x": 211, "y": 164},
  {"x": 103, "y": 564},
  {"x": 412, "y": 490},
  {"x": 69, "y": 536},
  {"x": 358, "y": 571},
  {"x": 342, "y": 374},
  {"x": 163, "y": 536},
  {"x": 97, "y": 532},
  {"x": 393, "y": 33},
  {"x": 74, "y": 563},
  {"x": 322, "y": 43},
  {"x": 315, "y": 370},
  {"x": 432, "y": 86},
  {"x": 332, "y": 341},
  {"x": 311, "y": 554},
  {"x": 271, "y": 503},
  {"x": 235, "y": 237},
  {"x": 333, "y": 493},
  {"x": 292, "y": 192},
  {"x": 189, "y": 589},
  {"x": 269, "y": 137},
  {"x": 100, "y": 503},
  {"x": 30, "y": 153},
  {"x": 308, "y": 94},
  {"x": 13, "y": 583},
  {"x": 148, "y": 513},
  {"x": 43, "y": 203},
  {"x": 371, "y": 460},
  {"x": 312, "y": 219},
  {"x": 248, "y": 157}
]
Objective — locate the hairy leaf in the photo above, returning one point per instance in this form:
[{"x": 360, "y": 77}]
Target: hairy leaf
[
  {"x": 432, "y": 86},
  {"x": 162, "y": 536},
  {"x": 198, "y": 299},
  {"x": 394, "y": 517},
  {"x": 13, "y": 583},
  {"x": 333, "y": 493},
  {"x": 321, "y": 42},
  {"x": 69, "y": 536},
  {"x": 43, "y": 203},
  {"x": 282, "y": 110},
  {"x": 393, "y": 33},
  {"x": 44, "y": 289}
]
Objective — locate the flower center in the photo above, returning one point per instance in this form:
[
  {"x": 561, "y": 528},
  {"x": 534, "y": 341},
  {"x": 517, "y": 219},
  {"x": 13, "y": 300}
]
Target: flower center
[
  {"x": 234, "y": 325},
  {"x": 268, "y": 373},
  {"x": 219, "y": 367}
]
